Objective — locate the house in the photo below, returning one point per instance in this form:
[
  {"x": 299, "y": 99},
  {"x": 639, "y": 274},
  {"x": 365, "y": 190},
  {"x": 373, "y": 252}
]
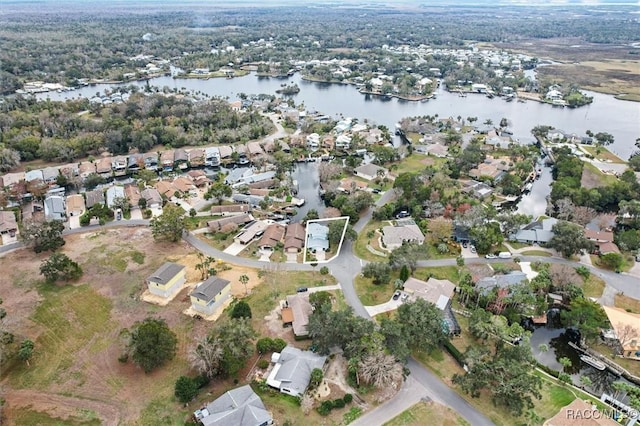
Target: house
[
  {"x": 349, "y": 185},
  {"x": 181, "y": 159},
  {"x": 10, "y": 179},
  {"x": 254, "y": 149},
  {"x": 404, "y": 231},
  {"x": 119, "y": 165},
  {"x": 237, "y": 407},
  {"x": 609, "y": 247},
  {"x": 626, "y": 326},
  {"x": 32, "y": 175},
  {"x": 135, "y": 162},
  {"x": 329, "y": 142},
  {"x": 294, "y": 238},
  {"x": 313, "y": 140},
  {"x": 94, "y": 197},
  {"x": 197, "y": 157},
  {"x": 254, "y": 230},
  {"x": 184, "y": 185},
  {"x": 70, "y": 170},
  {"x": 75, "y": 205},
  {"x": 54, "y": 208},
  {"x": 438, "y": 292},
  {"x": 113, "y": 194},
  {"x": 479, "y": 190},
  {"x": 103, "y": 167},
  {"x": 370, "y": 171},
  {"x": 166, "y": 160},
  {"x": 230, "y": 209},
  {"x": 8, "y": 224},
  {"x": 343, "y": 142},
  {"x": 50, "y": 174},
  {"x": 292, "y": 369},
  {"x": 217, "y": 224},
  {"x": 437, "y": 150},
  {"x": 198, "y": 177},
  {"x": 153, "y": 197},
  {"x": 167, "y": 279},
  {"x": 225, "y": 151},
  {"x": 538, "y": 232},
  {"x": 210, "y": 295},
  {"x": 271, "y": 237},
  {"x": 485, "y": 285},
  {"x": 165, "y": 188},
  {"x": 296, "y": 313},
  {"x": 151, "y": 161},
  {"x": 317, "y": 237},
  {"x": 132, "y": 193},
  {"x": 580, "y": 413},
  {"x": 603, "y": 241}
]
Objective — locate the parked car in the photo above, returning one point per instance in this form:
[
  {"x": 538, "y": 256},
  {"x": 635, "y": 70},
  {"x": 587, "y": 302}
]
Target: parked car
[
  {"x": 464, "y": 244},
  {"x": 472, "y": 249},
  {"x": 376, "y": 191},
  {"x": 402, "y": 214},
  {"x": 396, "y": 295},
  {"x": 302, "y": 289},
  {"x": 491, "y": 256},
  {"x": 504, "y": 255},
  {"x": 404, "y": 297}
]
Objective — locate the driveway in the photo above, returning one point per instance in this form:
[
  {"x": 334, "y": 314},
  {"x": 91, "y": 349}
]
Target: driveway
[
  {"x": 235, "y": 248},
  {"x": 324, "y": 288},
  {"x": 391, "y": 305},
  {"x": 526, "y": 268}
]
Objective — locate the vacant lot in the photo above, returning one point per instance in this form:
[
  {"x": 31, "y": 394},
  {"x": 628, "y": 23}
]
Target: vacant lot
[{"x": 430, "y": 413}]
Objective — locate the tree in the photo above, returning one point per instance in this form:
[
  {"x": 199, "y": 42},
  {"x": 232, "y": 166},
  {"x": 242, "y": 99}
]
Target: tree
[
  {"x": 244, "y": 279},
  {"x": 380, "y": 369},
  {"x": 241, "y": 310},
  {"x": 408, "y": 255},
  {"x": 379, "y": 272},
  {"x": 235, "y": 336},
  {"x": 320, "y": 300},
  {"x": 330, "y": 328},
  {"x": 43, "y": 236},
  {"x": 568, "y": 238},
  {"x": 152, "y": 343},
  {"x": 218, "y": 190},
  {"x": 122, "y": 203},
  {"x": 204, "y": 266},
  {"x": 612, "y": 260},
  {"x": 312, "y": 214},
  {"x": 60, "y": 267},
  {"x": 92, "y": 181},
  {"x": 422, "y": 324},
  {"x": 6, "y": 337},
  {"x": 207, "y": 355},
  {"x": 507, "y": 373},
  {"x": 26, "y": 350},
  {"x": 404, "y": 273},
  {"x": 587, "y": 316},
  {"x": 316, "y": 378},
  {"x": 9, "y": 159},
  {"x": 486, "y": 236},
  {"x": 440, "y": 229},
  {"x": 169, "y": 225},
  {"x": 603, "y": 138},
  {"x": 185, "y": 389},
  {"x": 512, "y": 222},
  {"x": 336, "y": 228}
]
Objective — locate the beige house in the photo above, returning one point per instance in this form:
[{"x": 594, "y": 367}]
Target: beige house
[
  {"x": 626, "y": 326},
  {"x": 75, "y": 205},
  {"x": 8, "y": 224},
  {"x": 394, "y": 236},
  {"x": 296, "y": 313},
  {"x": 217, "y": 224},
  {"x": 294, "y": 238},
  {"x": 210, "y": 295},
  {"x": 167, "y": 280},
  {"x": 438, "y": 292}
]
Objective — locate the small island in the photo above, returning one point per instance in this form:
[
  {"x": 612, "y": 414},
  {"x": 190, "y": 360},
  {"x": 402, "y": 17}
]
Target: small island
[{"x": 288, "y": 89}]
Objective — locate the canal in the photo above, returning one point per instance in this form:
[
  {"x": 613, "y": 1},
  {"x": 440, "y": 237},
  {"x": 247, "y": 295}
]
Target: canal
[{"x": 306, "y": 176}]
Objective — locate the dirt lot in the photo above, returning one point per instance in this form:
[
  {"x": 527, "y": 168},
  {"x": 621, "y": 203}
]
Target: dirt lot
[{"x": 76, "y": 328}]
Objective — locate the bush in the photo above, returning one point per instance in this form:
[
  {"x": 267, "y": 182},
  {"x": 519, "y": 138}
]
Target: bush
[
  {"x": 455, "y": 353},
  {"x": 123, "y": 358},
  {"x": 241, "y": 310},
  {"x": 338, "y": 403},
  {"x": 85, "y": 219},
  {"x": 186, "y": 389},
  {"x": 325, "y": 408},
  {"x": 347, "y": 398},
  {"x": 264, "y": 345},
  {"x": 202, "y": 380},
  {"x": 278, "y": 345},
  {"x": 146, "y": 213},
  {"x": 584, "y": 272},
  {"x": 324, "y": 270},
  {"x": 263, "y": 363}
]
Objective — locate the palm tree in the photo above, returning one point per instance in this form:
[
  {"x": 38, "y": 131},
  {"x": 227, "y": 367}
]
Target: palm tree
[
  {"x": 244, "y": 279},
  {"x": 207, "y": 356}
]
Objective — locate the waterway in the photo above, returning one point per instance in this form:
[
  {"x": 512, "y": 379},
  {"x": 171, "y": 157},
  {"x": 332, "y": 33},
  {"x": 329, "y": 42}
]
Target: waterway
[
  {"x": 534, "y": 203},
  {"x": 306, "y": 175},
  {"x": 605, "y": 114}
]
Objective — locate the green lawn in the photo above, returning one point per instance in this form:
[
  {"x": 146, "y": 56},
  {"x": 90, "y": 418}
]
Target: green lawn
[
  {"x": 601, "y": 179},
  {"x": 198, "y": 222},
  {"x": 540, "y": 253},
  {"x": 603, "y": 154},
  {"x": 593, "y": 286},
  {"x": 371, "y": 294},
  {"x": 28, "y": 417},
  {"x": 627, "y": 303},
  {"x": 451, "y": 273},
  {"x": 360, "y": 246},
  {"x": 430, "y": 413}
]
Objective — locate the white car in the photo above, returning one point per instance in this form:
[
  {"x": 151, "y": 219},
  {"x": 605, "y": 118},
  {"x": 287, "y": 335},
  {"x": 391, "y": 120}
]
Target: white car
[{"x": 491, "y": 256}]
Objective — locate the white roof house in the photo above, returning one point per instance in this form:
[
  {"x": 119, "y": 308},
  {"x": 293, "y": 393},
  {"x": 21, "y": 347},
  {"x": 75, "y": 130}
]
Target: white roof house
[
  {"x": 113, "y": 193},
  {"x": 292, "y": 370}
]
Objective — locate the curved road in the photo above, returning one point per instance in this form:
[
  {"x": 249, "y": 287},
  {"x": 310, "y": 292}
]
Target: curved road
[{"x": 345, "y": 268}]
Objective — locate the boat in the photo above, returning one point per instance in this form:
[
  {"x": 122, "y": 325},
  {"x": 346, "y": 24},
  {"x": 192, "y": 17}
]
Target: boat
[{"x": 598, "y": 365}]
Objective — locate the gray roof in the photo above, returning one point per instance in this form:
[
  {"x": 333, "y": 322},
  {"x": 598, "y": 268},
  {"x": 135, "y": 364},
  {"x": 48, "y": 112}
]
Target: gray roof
[
  {"x": 94, "y": 197},
  {"x": 501, "y": 281},
  {"x": 208, "y": 289},
  {"x": 295, "y": 368},
  {"x": 113, "y": 193},
  {"x": 238, "y": 407},
  {"x": 368, "y": 169},
  {"x": 165, "y": 273}
]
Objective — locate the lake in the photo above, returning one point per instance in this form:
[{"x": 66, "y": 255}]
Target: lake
[{"x": 606, "y": 114}]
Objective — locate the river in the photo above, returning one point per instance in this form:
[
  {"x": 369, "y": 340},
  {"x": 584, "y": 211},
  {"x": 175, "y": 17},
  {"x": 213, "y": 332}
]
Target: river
[
  {"x": 306, "y": 175},
  {"x": 606, "y": 114}
]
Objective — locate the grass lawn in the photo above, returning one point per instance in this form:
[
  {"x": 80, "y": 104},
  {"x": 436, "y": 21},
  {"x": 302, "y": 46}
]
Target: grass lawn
[
  {"x": 593, "y": 286},
  {"x": 371, "y": 294},
  {"x": 540, "y": 253},
  {"x": 451, "y": 273},
  {"x": 602, "y": 154},
  {"x": 516, "y": 245},
  {"x": 417, "y": 163},
  {"x": 363, "y": 239},
  {"x": 593, "y": 177},
  {"x": 627, "y": 303},
  {"x": 198, "y": 222},
  {"x": 430, "y": 413},
  {"x": 29, "y": 417},
  {"x": 217, "y": 240},
  {"x": 433, "y": 253},
  {"x": 627, "y": 263}
]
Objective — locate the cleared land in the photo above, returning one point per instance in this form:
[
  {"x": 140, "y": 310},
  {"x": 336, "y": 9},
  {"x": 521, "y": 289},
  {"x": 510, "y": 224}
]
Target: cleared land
[{"x": 430, "y": 413}]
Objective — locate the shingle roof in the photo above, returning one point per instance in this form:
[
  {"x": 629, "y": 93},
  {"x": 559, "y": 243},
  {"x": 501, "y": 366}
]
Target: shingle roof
[
  {"x": 501, "y": 281},
  {"x": 238, "y": 407},
  {"x": 210, "y": 288},
  {"x": 295, "y": 368},
  {"x": 165, "y": 273},
  {"x": 301, "y": 309}
]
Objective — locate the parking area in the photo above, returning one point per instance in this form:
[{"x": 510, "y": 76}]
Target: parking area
[
  {"x": 468, "y": 252},
  {"x": 398, "y": 298}
]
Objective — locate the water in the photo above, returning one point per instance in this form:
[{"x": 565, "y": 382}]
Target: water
[
  {"x": 535, "y": 202},
  {"x": 306, "y": 174},
  {"x": 606, "y": 114}
]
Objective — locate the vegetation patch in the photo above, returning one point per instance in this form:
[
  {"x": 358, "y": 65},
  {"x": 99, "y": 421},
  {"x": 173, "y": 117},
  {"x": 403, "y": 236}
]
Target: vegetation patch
[
  {"x": 371, "y": 294},
  {"x": 430, "y": 413},
  {"x": 27, "y": 416},
  {"x": 540, "y": 253},
  {"x": 627, "y": 303}
]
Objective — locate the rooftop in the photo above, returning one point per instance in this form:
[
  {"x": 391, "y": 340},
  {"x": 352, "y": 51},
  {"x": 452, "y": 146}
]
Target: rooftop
[
  {"x": 208, "y": 289},
  {"x": 165, "y": 273}
]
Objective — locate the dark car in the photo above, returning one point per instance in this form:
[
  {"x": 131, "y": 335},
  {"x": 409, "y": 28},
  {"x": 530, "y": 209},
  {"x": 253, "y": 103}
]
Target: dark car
[
  {"x": 396, "y": 295},
  {"x": 464, "y": 244},
  {"x": 302, "y": 289},
  {"x": 376, "y": 191}
]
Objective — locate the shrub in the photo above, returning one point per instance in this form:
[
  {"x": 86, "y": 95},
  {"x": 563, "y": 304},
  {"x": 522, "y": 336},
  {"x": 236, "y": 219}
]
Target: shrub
[
  {"x": 278, "y": 345},
  {"x": 325, "y": 408},
  {"x": 584, "y": 272},
  {"x": 123, "y": 358},
  {"x": 264, "y": 345},
  {"x": 347, "y": 398},
  {"x": 263, "y": 363},
  {"x": 186, "y": 389},
  {"x": 338, "y": 403},
  {"x": 324, "y": 270},
  {"x": 241, "y": 310},
  {"x": 202, "y": 380},
  {"x": 455, "y": 353}
]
